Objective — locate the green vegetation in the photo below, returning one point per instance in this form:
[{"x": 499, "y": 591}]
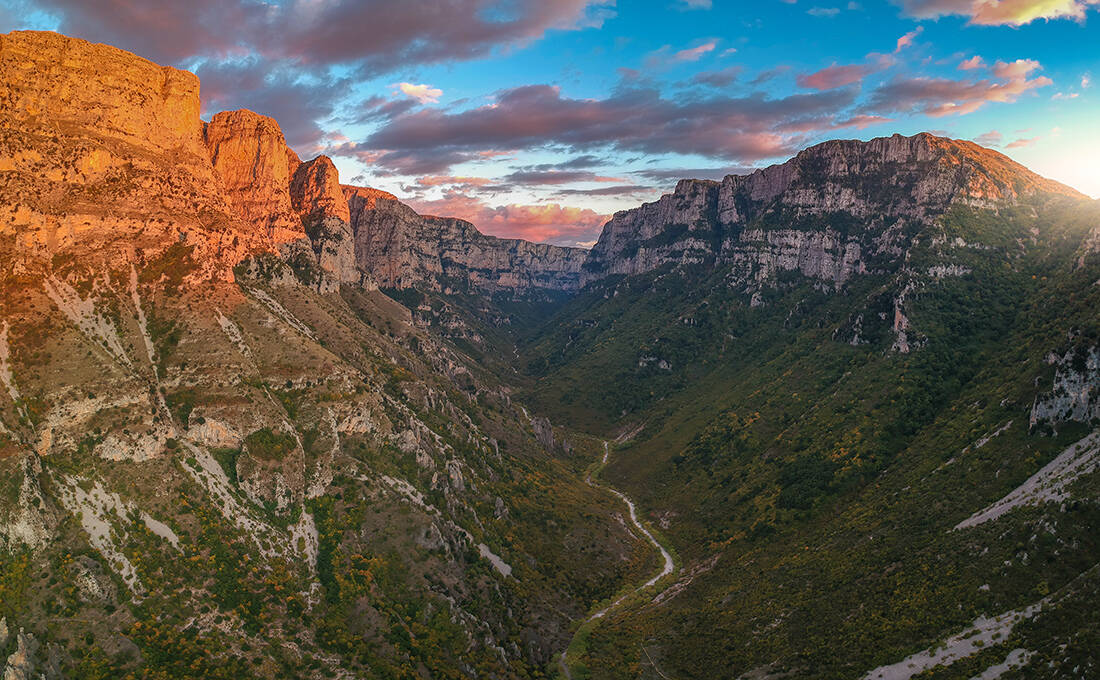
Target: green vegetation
[{"x": 266, "y": 444}]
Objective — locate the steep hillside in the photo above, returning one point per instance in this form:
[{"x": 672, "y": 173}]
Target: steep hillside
[
  {"x": 220, "y": 455},
  {"x": 820, "y": 404}
]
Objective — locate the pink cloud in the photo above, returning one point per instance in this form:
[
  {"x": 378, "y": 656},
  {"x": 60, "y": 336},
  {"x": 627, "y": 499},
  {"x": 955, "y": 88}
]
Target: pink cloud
[
  {"x": 907, "y": 39},
  {"x": 425, "y": 94},
  {"x": 972, "y": 63},
  {"x": 991, "y": 138},
  {"x": 1019, "y": 143},
  {"x": 834, "y": 76},
  {"x": 444, "y": 180},
  {"x": 545, "y": 223},
  {"x": 694, "y": 53}
]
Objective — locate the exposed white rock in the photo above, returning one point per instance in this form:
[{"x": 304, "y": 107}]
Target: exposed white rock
[
  {"x": 981, "y": 634},
  {"x": 82, "y": 313},
  {"x": 1076, "y": 391},
  {"x": 1048, "y": 485},
  {"x": 282, "y": 312},
  {"x": 100, "y": 514},
  {"x": 1017, "y": 658}
]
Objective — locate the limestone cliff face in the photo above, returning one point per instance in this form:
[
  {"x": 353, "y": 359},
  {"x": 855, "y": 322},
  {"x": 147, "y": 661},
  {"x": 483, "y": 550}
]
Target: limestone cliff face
[
  {"x": 98, "y": 88},
  {"x": 833, "y": 211},
  {"x": 401, "y": 248},
  {"x": 318, "y": 199},
  {"x": 255, "y": 165},
  {"x": 102, "y": 157},
  {"x": 300, "y": 207}
]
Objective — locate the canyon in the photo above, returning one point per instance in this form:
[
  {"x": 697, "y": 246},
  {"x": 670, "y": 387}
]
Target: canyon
[{"x": 258, "y": 422}]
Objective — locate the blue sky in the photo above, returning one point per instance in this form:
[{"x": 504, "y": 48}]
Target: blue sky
[{"x": 538, "y": 118}]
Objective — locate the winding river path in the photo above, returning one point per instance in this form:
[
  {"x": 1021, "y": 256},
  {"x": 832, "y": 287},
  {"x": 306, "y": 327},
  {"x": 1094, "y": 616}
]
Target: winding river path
[{"x": 667, "y": 567}]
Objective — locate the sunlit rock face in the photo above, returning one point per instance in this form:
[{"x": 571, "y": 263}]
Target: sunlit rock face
[
  {"x": 401, "y": 248},
  {"x": 833, "y": 211},
  {"x": 255, "y": 165},
  {"x": 102, "y": 159},
  {"x": 319, "y": 201}
]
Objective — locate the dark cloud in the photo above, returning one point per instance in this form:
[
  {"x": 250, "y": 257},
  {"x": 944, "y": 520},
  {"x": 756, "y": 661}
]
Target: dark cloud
[
  {"x": 275, "y": 90},
  {"x": 676, "y": 174},
  {"x": 279, "y": 54},
  {"x": 534, "y": 116},
  {"x": 616, "y": 190},
  {"x": 944, "y": 97},
  {"x": 376, "y": 35},
  {"x": 533, "y": 177},
  {"x": 718, "y": 79}
]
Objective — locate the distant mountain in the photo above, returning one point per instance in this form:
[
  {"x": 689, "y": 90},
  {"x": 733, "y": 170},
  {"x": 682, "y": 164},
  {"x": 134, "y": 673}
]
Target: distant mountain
[
  {"x": 833, "y": 211},
  {"x": 859, "y": 393}
]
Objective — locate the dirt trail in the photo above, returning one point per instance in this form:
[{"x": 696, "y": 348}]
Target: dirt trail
[{"x": 668, "y": 566}]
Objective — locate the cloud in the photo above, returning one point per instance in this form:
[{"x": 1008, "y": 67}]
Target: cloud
[
  {"x": 1000, "y": 12},
  {"x": 694, "y": 53},
  {"x": 1086, "y": 81},
  {"x": 1064, "y": 95},
  {"x": 543, "y": 223},
  {"x": 972, "y": 63},
  {"x": 276, "y": 90},
  {"x": 675, "y": 174},
  {"x": 991, "y": 138},
  {"x": 943, "y": 97},
  {"x": 907, "y": 39},
  {"x": 1020, "y": 143},
  {"x": 287, "y": 52},
  {"x": 693, "y": 4},
  {"x": 744, "y": 128},
  {"x": 616, "y": 190},
  {"x": 534, "y": 177},
  {"x": 718, "y": 79},
  {"x": 769, "y": 74},
  {"x": 450, "y": 180},
  {"x": 834, "y": 76},
  {"x": 823, "y": 11},
  {"x": 377, "y": 36},
  {"x": 662, "y": 57},
  {"x": 425, "y": 94}
]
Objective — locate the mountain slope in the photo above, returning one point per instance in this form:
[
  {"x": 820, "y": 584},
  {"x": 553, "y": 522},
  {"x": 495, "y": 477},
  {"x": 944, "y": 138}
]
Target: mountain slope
[
  {"x": 808, "y": 419},
  {"x": 221, "y": 455}
]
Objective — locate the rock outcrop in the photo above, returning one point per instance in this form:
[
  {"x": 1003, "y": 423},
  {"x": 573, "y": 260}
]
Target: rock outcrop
[
  {"x": 102, "y": 154},
  {"x": 255, "y": 165},
  {"x": 401, "y": 248},
  {"x": 319, "y": 200},
  {"x": 834, "y": 210}
]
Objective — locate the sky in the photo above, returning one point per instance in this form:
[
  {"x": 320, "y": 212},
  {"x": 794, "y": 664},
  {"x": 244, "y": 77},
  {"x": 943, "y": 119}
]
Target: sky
[{"x": 538, "y": 119}]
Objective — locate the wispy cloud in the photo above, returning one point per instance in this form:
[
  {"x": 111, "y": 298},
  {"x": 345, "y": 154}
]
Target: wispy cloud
[
  {"x": 1000, "y": 12},
  {"x": 907, "y": 39}
]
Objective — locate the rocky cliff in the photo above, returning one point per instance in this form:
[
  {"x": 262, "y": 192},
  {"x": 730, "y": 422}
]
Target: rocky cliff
[
  {"x": 834, "y": 210},
  {"x": 402, "y": 248},
  {"x": 203, "y": 462},
  {"x": 102, "y": 154}
]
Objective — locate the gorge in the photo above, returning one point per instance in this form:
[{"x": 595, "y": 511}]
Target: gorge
[{"x": 259, "y": 422}]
